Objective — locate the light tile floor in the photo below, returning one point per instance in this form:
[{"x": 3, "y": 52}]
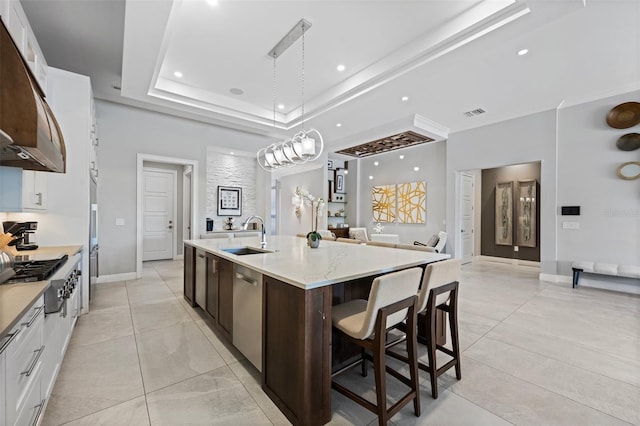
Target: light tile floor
[{"x": 533, "y": 353}]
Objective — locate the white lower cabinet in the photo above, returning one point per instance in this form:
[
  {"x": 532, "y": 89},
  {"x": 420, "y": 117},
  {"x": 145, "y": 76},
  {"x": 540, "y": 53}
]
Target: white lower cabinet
[{"x": 23, "y": 368}]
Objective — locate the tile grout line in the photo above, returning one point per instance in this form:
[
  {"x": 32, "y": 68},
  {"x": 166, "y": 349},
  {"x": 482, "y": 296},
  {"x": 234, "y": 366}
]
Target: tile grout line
[{"x": 135, "y": 340}]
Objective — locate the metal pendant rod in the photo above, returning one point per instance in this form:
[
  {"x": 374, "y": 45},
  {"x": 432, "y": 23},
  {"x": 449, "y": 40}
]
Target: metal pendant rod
[{"x": 294, "y": 34}]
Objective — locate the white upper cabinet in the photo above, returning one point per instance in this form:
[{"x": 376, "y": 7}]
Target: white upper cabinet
[
  {"x": 34, "y": 190},
  {"x": 16, "y": 22}
]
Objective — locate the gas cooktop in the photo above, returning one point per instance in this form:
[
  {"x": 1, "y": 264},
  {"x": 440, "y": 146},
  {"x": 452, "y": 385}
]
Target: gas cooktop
[{"x": 30, "y": 269}]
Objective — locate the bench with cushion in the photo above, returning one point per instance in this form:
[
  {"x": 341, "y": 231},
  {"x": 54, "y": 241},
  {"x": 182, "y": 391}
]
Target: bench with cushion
[{"x": 627, "y": 271}]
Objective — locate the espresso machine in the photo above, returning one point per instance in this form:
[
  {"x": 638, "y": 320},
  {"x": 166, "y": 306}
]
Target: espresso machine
[{"x": 23, "y": 233}]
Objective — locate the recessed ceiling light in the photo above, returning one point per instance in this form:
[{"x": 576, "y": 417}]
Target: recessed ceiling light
[
  {"x": 280, "y": 106},
  {"x": 212, "y": 2},
  {"x": 375, "y": 163},
  {"x": 370, "y": 177},
  {"x": 178, "y": 74},
  {"x": 401, "y": 157},
  {"x": 236, "y": 91},
  {"x": 340, "y": 67},
  {"x": 231, "y": 153},
  {"x": 338, "y": 124},
  {"x": 523, "y": 52},
  {"x": 346, "y": 172},
  {"x": 416, "y": 168},
  {"x": 405, "y": 98}
]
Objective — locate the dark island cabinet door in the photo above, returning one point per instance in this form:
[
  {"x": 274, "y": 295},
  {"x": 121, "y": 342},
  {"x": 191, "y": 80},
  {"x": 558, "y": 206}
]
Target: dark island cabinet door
[
  {"x": 189, "y": 274},
  {"x": 225, "y": 296}
]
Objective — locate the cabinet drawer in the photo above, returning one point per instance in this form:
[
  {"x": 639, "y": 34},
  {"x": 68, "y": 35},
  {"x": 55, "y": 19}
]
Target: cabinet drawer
[
  {"x": 23, "y": 365},
  {"x": 33, "y": 407}
]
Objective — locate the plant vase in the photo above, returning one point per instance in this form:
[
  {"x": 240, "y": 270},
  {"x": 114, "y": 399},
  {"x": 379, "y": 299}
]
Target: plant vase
[{"x": 313, "y": 239}]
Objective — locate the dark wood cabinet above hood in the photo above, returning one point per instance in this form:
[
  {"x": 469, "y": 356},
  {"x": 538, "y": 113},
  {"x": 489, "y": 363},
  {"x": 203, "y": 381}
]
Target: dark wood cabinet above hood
[{"x": 25, "y": 116}]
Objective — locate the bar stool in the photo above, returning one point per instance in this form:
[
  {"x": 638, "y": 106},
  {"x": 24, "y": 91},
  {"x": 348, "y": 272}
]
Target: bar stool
[
  {"x": 365, "y": 323},
  {"x": 439, "y": 291}
]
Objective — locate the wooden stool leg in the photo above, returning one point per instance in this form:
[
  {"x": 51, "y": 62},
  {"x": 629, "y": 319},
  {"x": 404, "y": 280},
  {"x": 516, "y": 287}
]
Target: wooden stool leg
[
  {"x": 379, "y": 367},
  {"x": 412, "y": 351},
  {"x": 453, "y": 324},
  {"x": 431, "y": 350}
]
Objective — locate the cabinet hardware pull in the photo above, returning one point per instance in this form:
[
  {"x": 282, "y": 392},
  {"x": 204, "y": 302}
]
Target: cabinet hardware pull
[
  {"x": 324, "y": 317},
  {"x": 201, "y": 256},
  {"x": 39, "y": 412},
  {"x": 35, "y": 361},
  {"x": 35, "y": 315},
  {"x": 247, "y": 280},
  {"x": 39, "y": 195},
  {"x": 9, "y": 340}
]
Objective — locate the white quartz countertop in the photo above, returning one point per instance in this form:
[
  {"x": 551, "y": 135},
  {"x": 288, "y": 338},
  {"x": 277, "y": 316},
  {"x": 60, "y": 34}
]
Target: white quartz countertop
[{"x": 293, "y": 262}]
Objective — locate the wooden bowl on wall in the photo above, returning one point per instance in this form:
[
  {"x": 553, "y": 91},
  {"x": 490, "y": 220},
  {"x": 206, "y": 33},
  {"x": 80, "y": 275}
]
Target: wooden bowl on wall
[
  {"x": 624, "y": 115},
  {"x": 628, "y": 142}
]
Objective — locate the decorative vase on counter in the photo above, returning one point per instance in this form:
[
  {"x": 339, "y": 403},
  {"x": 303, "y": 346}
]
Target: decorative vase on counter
[{"x": 313, "y": 239}]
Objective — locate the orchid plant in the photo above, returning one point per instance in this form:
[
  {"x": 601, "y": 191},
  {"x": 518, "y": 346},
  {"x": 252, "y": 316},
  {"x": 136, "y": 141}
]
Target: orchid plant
[{"x": 317, "y": 207}]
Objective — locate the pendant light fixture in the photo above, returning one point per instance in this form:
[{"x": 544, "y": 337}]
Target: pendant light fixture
[{"x": 307, "y": 144}]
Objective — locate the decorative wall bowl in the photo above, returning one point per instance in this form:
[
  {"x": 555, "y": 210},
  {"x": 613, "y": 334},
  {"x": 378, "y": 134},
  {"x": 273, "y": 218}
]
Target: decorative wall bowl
[
  {"x": 629, "y": 170},
  {"x": 628, "y": 142},
  {"x": 624, "y": 115}
]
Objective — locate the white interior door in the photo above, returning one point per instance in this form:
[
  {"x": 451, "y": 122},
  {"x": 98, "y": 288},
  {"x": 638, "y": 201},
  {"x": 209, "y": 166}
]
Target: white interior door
[
  {"x": 158, "y": 206},
  {"x": 466, "y": 219}
]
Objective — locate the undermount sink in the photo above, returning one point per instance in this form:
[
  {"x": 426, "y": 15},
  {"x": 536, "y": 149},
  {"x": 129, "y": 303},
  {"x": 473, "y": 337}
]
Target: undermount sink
[{"x": 242, "y": 251}]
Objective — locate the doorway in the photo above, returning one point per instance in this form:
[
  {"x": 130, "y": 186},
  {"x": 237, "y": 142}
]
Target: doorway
[
  {"x": 144, "y": 161},
  {"x": 467, "y": 231}
]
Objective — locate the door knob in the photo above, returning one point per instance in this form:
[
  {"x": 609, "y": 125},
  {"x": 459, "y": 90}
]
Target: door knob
[{"x": 170, "y": 227}]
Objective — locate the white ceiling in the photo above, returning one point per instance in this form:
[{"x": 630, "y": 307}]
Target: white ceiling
[{"x": 447, "y": 56}]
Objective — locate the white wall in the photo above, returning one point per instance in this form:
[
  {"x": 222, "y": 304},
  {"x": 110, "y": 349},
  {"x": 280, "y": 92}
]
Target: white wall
[
  {"x": 610, "y": 207},
  {"x": 430, "y": 157},
  {"x": 521, "y": 140},
  {"x": 313, "y": 181},
  {"x": 126, "y": 131},
  {"x": 230, "y": 170}
]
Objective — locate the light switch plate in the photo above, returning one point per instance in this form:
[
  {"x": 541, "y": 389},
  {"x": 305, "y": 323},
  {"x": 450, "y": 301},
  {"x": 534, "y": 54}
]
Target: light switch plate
[{"x": 570, "y": 225}]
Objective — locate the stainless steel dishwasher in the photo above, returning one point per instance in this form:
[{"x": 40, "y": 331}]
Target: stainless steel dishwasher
[{"x": 247, "y": 313}]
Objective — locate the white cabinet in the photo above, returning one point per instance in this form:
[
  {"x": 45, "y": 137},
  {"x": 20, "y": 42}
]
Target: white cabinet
[
  {"x": 34, "y": 190},
  {"x": 93, "y": 153},
  {"x": 23, "y": 367},
  {"x": 16, "y": 22}
]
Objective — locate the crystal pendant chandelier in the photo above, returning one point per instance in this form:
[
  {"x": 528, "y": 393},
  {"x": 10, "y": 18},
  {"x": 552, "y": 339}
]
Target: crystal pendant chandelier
[{"x": 307, "y": 144}]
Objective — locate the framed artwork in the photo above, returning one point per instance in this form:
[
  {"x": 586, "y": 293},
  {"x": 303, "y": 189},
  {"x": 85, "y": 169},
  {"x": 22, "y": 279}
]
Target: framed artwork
[
  {"x": 229, "y": 201},
  {"x": 504, "y": 213},
  {"x": 526, "y": 213},
  {"x": 412, "y": 202},
  {"x": 340, "y": 182},
  {"x": 383, "y": 203}
]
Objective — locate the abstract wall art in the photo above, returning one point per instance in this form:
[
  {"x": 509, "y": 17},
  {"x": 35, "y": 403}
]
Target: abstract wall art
[
  {"x": 504, "y": 213},
  {"x": 412, "y": 200},
  {"x": 526, "y": 213},
  {"x": 384, "y": 203}
]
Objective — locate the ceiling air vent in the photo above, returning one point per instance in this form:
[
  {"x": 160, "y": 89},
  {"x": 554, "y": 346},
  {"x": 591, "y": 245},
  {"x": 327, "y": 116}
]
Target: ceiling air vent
[
  {"x": 474, "y": 112},
  {"x": 389, "y": 143}
]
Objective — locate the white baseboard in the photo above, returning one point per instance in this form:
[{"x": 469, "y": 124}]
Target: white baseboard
[
  {"x": 116, "y": 277},
  {"x": 519, "y": 262},
  {"x": 560, "y": 279}
]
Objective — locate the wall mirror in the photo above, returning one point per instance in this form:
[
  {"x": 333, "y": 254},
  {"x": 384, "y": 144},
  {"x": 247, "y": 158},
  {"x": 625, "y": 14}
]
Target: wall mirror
[{"x": 629, "y": 170}]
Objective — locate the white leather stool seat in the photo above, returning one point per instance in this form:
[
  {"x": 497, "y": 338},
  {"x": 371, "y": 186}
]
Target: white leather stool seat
[
  {"x": 629, "y": 271},
  {"x": 605, "y": 268},
  {"x": 584, "y": 265}
]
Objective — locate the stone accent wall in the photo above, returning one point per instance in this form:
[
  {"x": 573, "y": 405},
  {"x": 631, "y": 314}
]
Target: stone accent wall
[{"x": 230, "y": 170}]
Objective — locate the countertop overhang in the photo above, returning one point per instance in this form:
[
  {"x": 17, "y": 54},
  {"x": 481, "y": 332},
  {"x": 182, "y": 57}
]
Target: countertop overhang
[{"x": 294, "y": 262}]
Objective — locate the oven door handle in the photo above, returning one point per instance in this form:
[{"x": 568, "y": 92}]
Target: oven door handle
[{"x": 62, "y": 306}]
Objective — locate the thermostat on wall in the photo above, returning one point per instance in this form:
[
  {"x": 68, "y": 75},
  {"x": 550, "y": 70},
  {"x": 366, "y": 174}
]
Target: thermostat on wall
[{"x": 570, "y": 210}]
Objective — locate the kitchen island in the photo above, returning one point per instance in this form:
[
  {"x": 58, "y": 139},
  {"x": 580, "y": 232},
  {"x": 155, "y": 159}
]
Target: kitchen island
[{"x": 299, "y": 286}]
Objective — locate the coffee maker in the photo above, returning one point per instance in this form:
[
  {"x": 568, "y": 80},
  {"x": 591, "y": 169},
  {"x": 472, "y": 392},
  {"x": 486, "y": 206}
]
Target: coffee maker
[{"x": 23, "y": 232}]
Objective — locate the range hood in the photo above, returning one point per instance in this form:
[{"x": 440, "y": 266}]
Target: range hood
[{"x": 30, "y": 135}]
